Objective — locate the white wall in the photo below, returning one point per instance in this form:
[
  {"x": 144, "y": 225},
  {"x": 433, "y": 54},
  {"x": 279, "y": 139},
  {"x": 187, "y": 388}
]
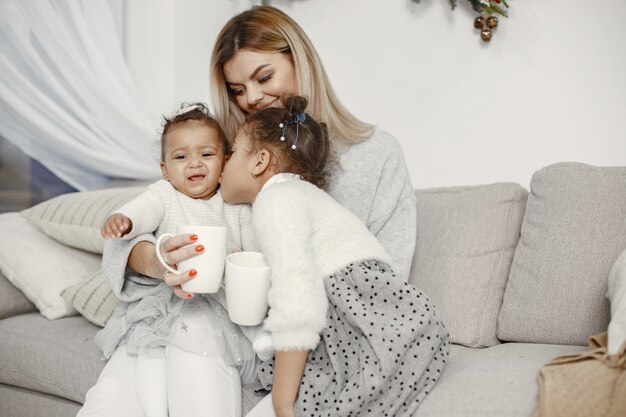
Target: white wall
[
  {"x": 168, "y": 46},
  {"x": 550, "y": 87}
]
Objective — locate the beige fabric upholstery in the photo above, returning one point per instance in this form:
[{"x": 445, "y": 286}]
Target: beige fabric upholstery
[
  {"x": 466, "y": 237},
  {"x": 12, "y": 301},
  {"x": 497, "y": 381},
  {"x": 574, "y": 229},
  {"x": 55, "y": 357},
  {"x": 18, "y": 402}
]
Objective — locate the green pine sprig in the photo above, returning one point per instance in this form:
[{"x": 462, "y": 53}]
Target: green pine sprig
[{"x": 481, "y": 6}]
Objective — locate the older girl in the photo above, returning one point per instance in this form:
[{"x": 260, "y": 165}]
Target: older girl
[{"x": 350, "y": 338}]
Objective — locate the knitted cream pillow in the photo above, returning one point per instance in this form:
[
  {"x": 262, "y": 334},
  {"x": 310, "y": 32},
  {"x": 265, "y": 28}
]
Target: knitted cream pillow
[
  {"x": 75, "y": 219},
  {"x": 92, "y": 298}
]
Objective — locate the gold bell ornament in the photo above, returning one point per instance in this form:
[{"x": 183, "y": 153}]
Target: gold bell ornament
[{"x": 488, "y": 21}]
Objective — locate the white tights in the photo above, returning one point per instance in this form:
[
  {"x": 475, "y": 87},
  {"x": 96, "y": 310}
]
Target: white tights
[
  {"x": 186, "y": 383},
  {"x": 151, "y": 384}
]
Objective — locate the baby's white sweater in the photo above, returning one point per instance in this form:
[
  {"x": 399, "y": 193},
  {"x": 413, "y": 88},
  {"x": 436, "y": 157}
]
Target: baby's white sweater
[
  {"x": 161, "y": 208},
  {"x": 305, "y": 236}
]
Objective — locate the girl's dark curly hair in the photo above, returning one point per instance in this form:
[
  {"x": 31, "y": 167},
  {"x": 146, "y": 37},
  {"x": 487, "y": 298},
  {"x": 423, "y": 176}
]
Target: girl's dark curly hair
[
  {"x": 197, "y": 111},
  {"x": 306, "y": 148}
]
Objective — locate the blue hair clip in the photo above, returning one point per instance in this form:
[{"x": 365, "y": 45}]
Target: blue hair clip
[
  {"x": 301, "y": 117},
  {"x": 298, "y": 118}
]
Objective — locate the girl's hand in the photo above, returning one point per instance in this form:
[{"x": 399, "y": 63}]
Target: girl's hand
[
  {"x": 116, "y": 225},
  {"x": 286, "y": 413},
  {"x": 288, "y": 370}
]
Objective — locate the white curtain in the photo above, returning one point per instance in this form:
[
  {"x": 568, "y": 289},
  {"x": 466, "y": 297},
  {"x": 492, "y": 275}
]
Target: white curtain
[{"x": 67, "y": 98}]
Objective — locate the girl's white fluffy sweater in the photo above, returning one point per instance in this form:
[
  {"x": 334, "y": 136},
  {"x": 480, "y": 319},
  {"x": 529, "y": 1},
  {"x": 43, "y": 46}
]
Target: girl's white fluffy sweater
[{"x": 305, "y": 236}]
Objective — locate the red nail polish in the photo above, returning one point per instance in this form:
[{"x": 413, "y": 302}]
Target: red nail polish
[
  {"x": 199, "y": 248},
  {"x": 193, "y": 237},
  {"x": 189, "y": 295},
  {"x": 192, "y": 273}
]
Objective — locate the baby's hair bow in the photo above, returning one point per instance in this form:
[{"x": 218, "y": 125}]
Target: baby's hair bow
[{"x": 184, "y": 110}]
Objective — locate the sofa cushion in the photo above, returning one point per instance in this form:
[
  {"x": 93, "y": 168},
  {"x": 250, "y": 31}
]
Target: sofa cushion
[
  {"x": 75, "y": 219},
  {"x": 251, "y": 395},
  {"x": 466, "y": 237},
  {"x": 12, "y": 301},
  {"x": 18, "y": 402},
  {"x": 41, "y": 267},
  {"x": 573, "y": 230},
  {"x": 497, "y": 381},
  {"x": 92, "y": 298},
  {"x": 55, "y": 357}
]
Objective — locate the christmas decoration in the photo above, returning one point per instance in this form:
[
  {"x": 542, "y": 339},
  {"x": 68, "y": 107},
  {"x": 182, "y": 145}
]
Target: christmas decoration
[
  {"x": 492, "y": 22},
  {"x": 487, "y": 21}
]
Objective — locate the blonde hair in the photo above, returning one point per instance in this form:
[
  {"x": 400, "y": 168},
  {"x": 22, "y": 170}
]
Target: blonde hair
[{"x": 267, "y": 29}]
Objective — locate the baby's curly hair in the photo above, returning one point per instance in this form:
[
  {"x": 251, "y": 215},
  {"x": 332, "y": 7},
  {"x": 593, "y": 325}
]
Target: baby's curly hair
[
  {"x": 193, "y": 111},
  {"x": 299, "y": 143}
]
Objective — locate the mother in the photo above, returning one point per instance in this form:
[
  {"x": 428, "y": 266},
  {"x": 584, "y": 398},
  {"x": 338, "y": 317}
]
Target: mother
[{"x": 259, "y": 55}]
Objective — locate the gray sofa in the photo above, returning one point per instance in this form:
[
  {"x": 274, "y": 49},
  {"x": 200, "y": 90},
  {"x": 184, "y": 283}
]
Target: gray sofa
[{"x": 518, "y": 277}]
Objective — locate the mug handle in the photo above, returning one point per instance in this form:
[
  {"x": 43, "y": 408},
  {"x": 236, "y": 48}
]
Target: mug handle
[{"x": 158, "y": 253}]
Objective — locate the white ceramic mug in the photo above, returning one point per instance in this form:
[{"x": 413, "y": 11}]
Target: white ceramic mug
[
  {"x": 247, "y": 282},
  {"x": 209, "y": 265}
]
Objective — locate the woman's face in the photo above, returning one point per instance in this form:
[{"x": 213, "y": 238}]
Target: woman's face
[{"x": 258, "y": 80}]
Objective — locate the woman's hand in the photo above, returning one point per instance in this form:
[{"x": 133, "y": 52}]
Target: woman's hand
[{"x": 174, "y": 250}]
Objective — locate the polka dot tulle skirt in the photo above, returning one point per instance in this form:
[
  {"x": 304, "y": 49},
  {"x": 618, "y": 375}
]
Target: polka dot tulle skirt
[{"x": 381, "y": 353}]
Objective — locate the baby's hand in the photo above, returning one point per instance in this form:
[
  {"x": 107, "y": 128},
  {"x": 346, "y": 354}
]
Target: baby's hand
[{"x": 116, "y": 225}]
